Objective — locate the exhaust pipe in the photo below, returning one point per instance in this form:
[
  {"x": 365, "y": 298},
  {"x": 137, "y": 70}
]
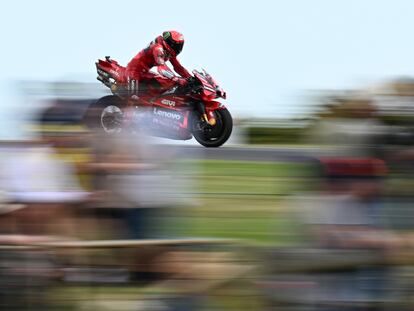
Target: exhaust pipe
[{"x": 104, "y": 81}]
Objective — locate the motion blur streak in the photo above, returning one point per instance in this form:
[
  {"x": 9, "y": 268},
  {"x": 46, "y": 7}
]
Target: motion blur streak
[{"x": 297, "y": 214}]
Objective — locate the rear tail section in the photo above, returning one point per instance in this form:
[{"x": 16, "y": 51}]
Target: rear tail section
[{"x": 110, "y": 72}]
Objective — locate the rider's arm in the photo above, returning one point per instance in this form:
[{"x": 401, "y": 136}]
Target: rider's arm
[
  {"x": 159, "y": 55},
  {"x": 179, "y": 68},
  {"x": 165, "y": 71}
]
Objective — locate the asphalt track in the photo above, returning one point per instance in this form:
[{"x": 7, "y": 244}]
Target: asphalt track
[{"x": 260, "y": 154}]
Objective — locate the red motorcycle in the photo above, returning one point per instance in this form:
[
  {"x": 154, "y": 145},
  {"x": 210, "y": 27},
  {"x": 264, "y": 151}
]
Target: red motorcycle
[{"x": 178, "y": 112}]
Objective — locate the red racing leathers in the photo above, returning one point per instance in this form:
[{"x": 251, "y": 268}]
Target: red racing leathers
[{"x": 155, "y": 55}]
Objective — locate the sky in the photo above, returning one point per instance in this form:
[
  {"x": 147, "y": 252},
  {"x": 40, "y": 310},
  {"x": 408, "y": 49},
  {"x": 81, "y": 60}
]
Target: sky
[{"x": 267, "y": 55}]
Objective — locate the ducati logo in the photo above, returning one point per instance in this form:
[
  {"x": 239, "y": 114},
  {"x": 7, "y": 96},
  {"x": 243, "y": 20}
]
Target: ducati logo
[
  {"x": 168, "y": 102},
  {"x": 116, "y": 74}
]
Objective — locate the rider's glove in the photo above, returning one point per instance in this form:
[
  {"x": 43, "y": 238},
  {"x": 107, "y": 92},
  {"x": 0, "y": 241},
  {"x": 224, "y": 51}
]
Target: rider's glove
[{"x": 180, "y": 81}]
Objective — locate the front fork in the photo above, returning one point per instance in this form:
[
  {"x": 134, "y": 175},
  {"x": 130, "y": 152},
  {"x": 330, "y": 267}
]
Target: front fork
[{"x": 206, "y": 116}]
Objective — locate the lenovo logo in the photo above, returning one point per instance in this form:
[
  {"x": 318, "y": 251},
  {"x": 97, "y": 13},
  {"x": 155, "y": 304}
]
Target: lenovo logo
[{"x": 167, "y": 114}]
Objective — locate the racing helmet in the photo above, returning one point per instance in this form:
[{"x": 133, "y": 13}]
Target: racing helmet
[{"x": 173, "y": 41}]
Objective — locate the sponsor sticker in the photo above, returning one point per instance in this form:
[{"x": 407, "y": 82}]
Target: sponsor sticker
[
  {"x": 116, "y": 74},
  {"x": 168, "y": 114},
  {"x": 168, "y": 102}
]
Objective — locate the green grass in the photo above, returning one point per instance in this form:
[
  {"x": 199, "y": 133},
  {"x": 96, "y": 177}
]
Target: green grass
[{"x": 243, "y": 200}]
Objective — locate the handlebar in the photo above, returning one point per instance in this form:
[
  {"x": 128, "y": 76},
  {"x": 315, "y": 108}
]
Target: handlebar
[{"x": 191, "y": 85}]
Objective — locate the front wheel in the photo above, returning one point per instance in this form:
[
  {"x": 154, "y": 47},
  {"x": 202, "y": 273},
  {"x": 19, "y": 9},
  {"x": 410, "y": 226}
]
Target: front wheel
[{"x": 217, "y": 135}]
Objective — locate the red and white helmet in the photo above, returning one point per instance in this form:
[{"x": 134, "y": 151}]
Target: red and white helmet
[{"x": 173, "y": 41}]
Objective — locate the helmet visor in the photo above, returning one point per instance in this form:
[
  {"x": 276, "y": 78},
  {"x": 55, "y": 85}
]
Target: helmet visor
[{"x": 177, "y": 47}]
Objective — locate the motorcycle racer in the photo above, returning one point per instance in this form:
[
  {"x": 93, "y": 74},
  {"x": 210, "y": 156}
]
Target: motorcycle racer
[
  {"x": 176, "y": 113},
  {"x": 164, "y": 48}
]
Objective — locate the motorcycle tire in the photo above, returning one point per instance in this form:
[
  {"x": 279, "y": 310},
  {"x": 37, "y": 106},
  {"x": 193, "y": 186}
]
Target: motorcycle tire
[
  {"x": 217, "y": 135},
  {"x": 106, "y": 114}
]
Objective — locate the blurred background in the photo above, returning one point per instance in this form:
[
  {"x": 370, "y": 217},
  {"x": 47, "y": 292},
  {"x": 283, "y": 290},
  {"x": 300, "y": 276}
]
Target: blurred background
[{"x": 308, "y": 206}]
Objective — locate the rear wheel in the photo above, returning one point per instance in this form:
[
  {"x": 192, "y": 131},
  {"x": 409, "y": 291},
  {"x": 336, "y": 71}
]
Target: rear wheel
[
  {"x": 106, "y": 114},
  {"x": 217, "y": 135}
]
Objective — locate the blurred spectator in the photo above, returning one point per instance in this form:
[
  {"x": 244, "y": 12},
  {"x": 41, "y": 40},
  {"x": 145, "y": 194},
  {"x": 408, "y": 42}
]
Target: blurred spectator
[
  {"x": 350, "y": 127},
  {"x": 348, "y": 209},
  {"x": 134, "y": 179},
  {"x": 347, "y": 216},
  {"x": 134, "y": 188},
  {"x": 32, "y": 174},
  {"x": 38, "y": 191}
]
